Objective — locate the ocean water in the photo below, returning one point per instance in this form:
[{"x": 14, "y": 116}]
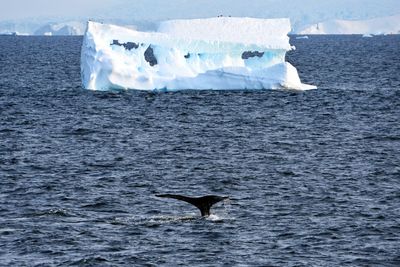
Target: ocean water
[{"x": 314, "y": 177}]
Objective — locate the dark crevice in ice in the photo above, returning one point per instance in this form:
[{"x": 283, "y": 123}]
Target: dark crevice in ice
[
  {"x": 149, "y": 56},
  {"x": 128, "y": 46},
  {"x": 249, "y": 54},
  {"x": 187, "y": 55}
]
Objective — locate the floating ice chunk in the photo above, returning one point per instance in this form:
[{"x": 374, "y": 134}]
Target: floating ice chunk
[
  {"x": 216, "y": 53},
  {"x": 367, "y": 35}
]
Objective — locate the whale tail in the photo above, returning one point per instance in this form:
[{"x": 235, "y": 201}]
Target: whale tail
[{"x": 204, "y": 204}]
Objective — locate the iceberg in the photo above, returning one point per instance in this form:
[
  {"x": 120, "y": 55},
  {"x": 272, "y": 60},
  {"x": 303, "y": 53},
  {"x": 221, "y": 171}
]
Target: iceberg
[
  {"x": 367, "y": 35},
  {"x": 65, "y": 28},
  {"x": 223, "y": 53}
]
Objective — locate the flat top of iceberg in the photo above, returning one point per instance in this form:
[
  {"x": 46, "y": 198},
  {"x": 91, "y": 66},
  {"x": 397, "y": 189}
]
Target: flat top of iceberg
[
  {"x": 250, "y": 31},
  {"x": 206, "y": 35}
]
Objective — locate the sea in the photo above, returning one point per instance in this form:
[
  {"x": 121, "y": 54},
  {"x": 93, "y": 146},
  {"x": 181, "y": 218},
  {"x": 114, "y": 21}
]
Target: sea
[{"x": 313, "y": 177}]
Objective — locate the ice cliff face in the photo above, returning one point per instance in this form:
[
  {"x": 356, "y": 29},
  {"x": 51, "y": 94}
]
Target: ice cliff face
[{"x": 215, "y": 53}]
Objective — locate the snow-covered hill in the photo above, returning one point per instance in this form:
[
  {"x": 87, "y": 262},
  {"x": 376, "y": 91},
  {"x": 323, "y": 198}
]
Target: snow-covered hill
[{"x": 385, "y": 25}]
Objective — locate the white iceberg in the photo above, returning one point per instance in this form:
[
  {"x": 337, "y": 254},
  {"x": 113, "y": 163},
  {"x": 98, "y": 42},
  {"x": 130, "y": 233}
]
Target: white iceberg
[
  {"x": 65, "y": 28},
  {"x": 216, "y": 53},
  {"x": 367, "y": 35}
]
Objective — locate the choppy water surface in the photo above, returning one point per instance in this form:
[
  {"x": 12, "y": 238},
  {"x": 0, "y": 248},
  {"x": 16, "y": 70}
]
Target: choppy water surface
[{"x": 314, "y": 176}]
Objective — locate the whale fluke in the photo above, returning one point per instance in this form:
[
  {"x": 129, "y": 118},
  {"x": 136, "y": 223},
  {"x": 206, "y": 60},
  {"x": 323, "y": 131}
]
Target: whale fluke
[{"x": 202, "y": 203}]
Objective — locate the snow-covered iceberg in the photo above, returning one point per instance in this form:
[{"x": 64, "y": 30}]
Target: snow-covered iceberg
[
  {"x": 215, "y": 53},
  {"x": 65, "y": 28}
]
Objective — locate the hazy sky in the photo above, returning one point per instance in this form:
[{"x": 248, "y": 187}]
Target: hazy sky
[
  {"x": 162, "y": 9},
  {"x": 16, "y": 9}
]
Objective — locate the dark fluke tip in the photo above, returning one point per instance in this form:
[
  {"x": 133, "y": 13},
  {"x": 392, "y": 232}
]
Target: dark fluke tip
[{"x": 204, "y": 203}]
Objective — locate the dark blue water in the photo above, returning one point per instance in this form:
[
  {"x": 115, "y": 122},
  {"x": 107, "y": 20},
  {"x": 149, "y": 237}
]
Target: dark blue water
[{"x": 314, "y": 176}]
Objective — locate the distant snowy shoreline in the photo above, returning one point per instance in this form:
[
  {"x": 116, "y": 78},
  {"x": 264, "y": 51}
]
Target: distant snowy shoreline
[{"x": 376, "y": 26}]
